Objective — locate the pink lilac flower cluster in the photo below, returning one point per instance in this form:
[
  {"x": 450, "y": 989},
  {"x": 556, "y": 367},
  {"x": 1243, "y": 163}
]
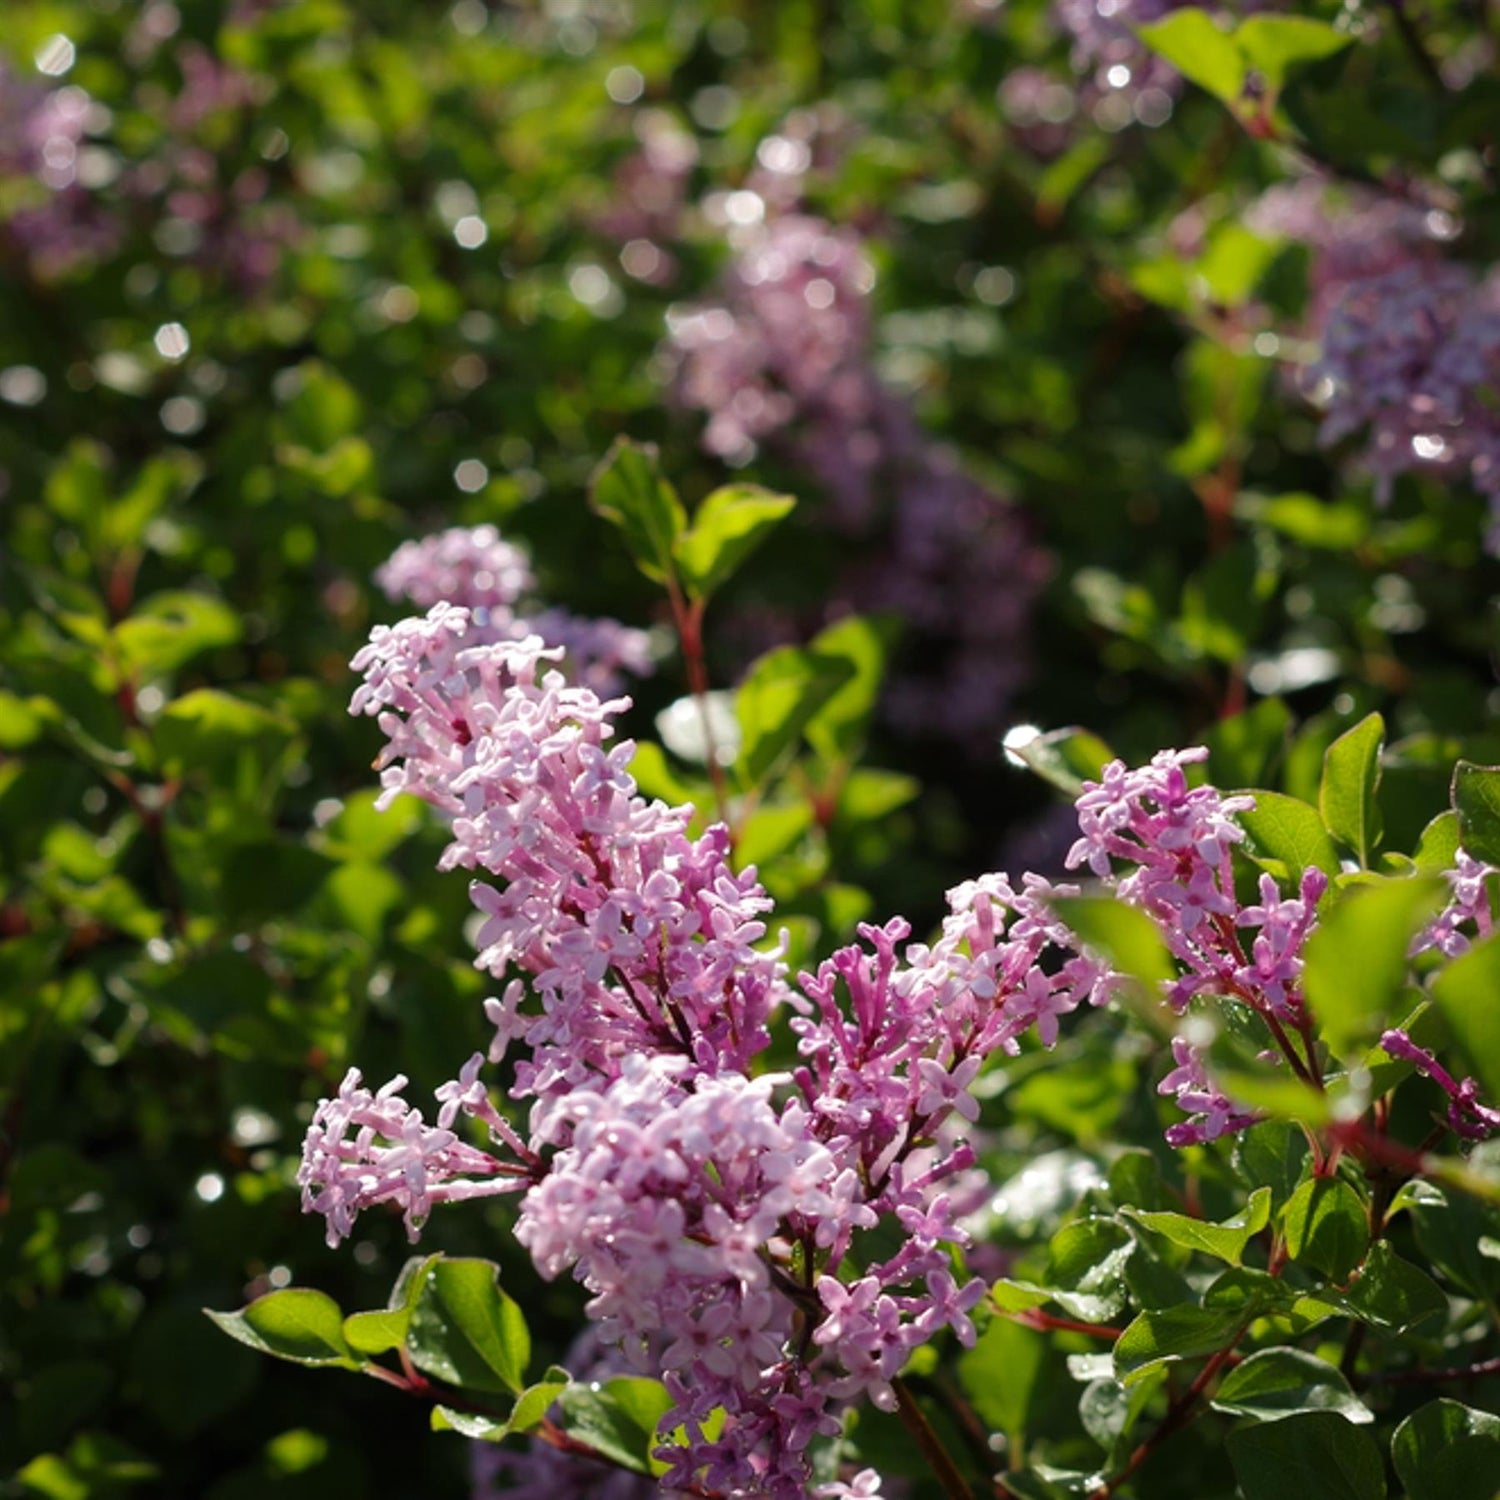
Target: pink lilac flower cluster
[
  {"x": 783, "y": 359},
  {"x": 718, "y": 1220},
  {"x": 1177, "y": 840},
  {"x": 477, "y": 569},
  {"x": 1413, "y": 357},
  {"x": 1468, "y": 913},
  {"x": 1409, "y": 344}
]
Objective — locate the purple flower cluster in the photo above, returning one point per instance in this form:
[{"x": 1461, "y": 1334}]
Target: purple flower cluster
[
  {"x": 1413, "y": 355},
  {"x": 1468, "y": 913},
  {"x": 1409, "y": 344},
  {"x": 718, "y": 1220},
  {"x": 1175, "y": 841},
  {"x": 477, "y": 569},
  {"x": 56, "y": 222},
  {"x": 783, "y": 359},
  {"x": 1178, "y": 839}
]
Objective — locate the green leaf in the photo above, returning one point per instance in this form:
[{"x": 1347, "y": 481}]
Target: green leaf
[
  {"x": 468, "y": 1332},
  {"x": 1275, "y": 45},
  {"x": 1242, "y": 748},
  {"x": 1189, "y": 40},
  {"x": 536, "y": 1400},
  {"x": 1312, "y": 1454},
  {"x": 1326, "y": 1227},
  {"x": 1286, "y": 829},
  {"x": 1355, "y": 973},
  {"x": 869, "y": 794},
  {"x": 1391, "y": 1293},
  {"x": 1125, "y": 935},
  {"x": 1351, "y": 777},
  {"x": 298, "y": 1323},
  {"x": 1437, "y": 849},
  {"x": 1476, "y": 800},
  {"x": 1002, "y": 1375},
  {"x": 617, "y": 1419},
  {"x": 1448, "y": 1451},
  {"x": 1225, "y": 1241},
  {"x": 629, "y": 489},
  {"x": 1273, "y": 1154},
  {"x": 1465, "y": 992},
  {"x": 171, "y": 628},
  {"x": 1086, "y": 1268},
  {"x": 377, "y": 1332},
  {"x": 211, "y": 732},
  {"x": 838, "y": 728},
  {"x": 1172, "y": 1334},
  {"x": 1308, "y": 519},
  {"x": 776, "y": 701},
  {"x": 1276, "y": 1383},
  {"x": 1064, "y": 758},
  {"x": 324, "y": 409},
  {"x": 729, "y": 525}
]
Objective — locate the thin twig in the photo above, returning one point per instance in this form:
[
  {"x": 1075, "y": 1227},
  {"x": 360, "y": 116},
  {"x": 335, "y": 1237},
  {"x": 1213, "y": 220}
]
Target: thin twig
[{"x": 914, "y": 1419}]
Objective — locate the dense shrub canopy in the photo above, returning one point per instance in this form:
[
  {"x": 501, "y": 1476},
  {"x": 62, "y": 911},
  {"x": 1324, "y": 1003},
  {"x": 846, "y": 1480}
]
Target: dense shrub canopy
[{"x": 795, "y": 483}]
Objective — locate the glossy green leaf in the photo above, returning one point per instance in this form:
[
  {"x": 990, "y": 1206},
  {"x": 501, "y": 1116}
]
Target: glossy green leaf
[
  {"x": 1393, "y": 1294},
  {"x": 617, "y": 1419},
  {"x": 1003, "y": 1375},
  {"x": 297, "y": 1323},
  {"x": 1170, "y": 1335},
  {"x": 1224, "y": 1241},
  {"x": 726, "y": 528},
  {"x": 1312, "y": 1454},
  {"x": 1476, "y": 800},
  {"x": 1086, "y": 1266},
  {"x": 1064, "y": 758},
  {"x": 1275, "y": 1383},
  {"x": 1285, "y": 829},
  {"x": 1448, "y": 1451},
  {"x": 1347, "y": 794},
  {"x": 466, "y": 1331},
  {"x": 1326, "y": 1227}
]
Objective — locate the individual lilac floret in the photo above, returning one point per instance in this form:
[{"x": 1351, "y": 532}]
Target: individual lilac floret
[
  {"x": 478, "y": 570},
  {"x": 1467, "y": 1117},
  {"x": 362, "y": 1149},
  {"x": 1468, "y": 913}
]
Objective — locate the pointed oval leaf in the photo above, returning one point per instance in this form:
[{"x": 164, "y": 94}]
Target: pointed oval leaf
[
  {"x": 466, "y": 1331},
  {"x": 1276, "y": 1383},
  {"x": 296, "y": 1323},
  {"x": 727, "y": 527},
  {"x": 1351, "y": 779}
]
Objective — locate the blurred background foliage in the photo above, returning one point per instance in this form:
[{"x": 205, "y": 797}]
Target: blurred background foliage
[{"x": 284, "y": 283}]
